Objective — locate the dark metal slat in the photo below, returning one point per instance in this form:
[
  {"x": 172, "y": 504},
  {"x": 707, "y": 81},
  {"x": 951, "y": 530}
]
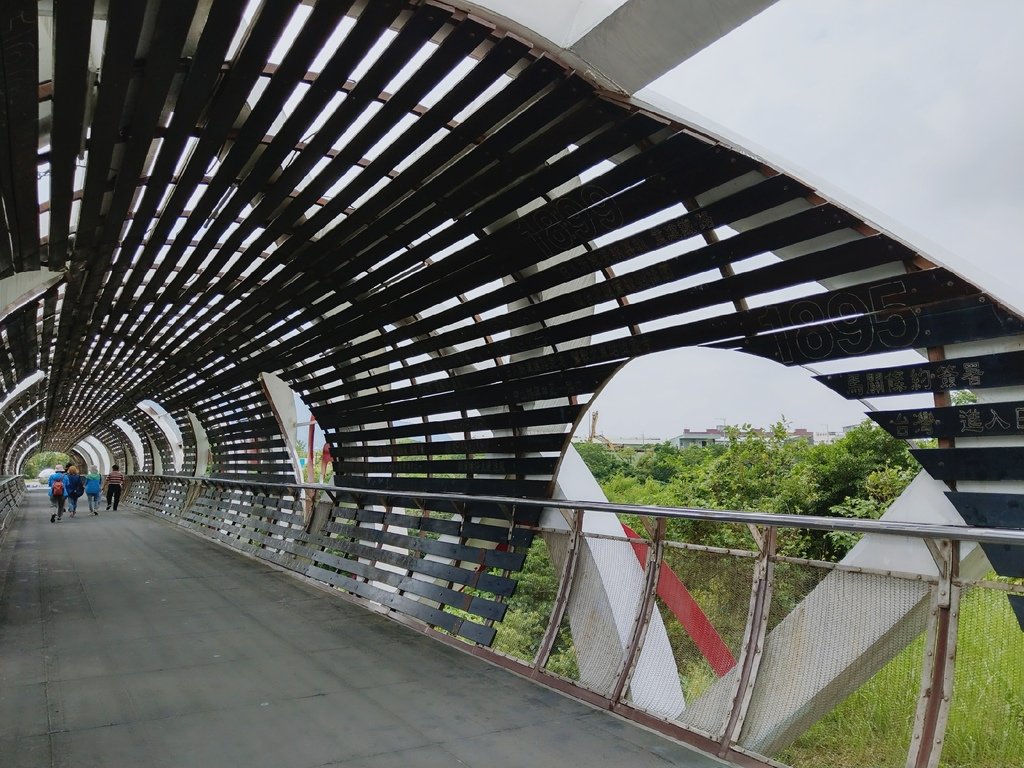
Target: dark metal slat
[
  {"x": 413, "y": 34},
  {"x": 304, "y": 254},
  {"x": 229, "y": 101},
  {"x": 522, "y": 443},
  {"x": 242, "y": 162},
  {"x": 198, "y": 84},
  {"x": 489, "y": 466},
  {"x": 470, "y": 486},
  {"x": 953, "y": 464},
  {"x": 124, "y": 27},
  {"x": 950, "y": 322},
  {"x": 1005, "y": 369},
  {"x": 989, "y": 510},
  {"x": 589, "y": 213},
  {"x": 19, "y": 118},
  {"x": 743, "y": 204},
  {"x": 975, "y": 420},
  {"x": 497, "y": 60},
  {"x": 549, "y": 387},
  {"x": 557, "y": 416},
  {"x": 613, "y": 139},
  {"x": 619, "y": 318},
  {"x": 162, "y": 58},
  {"x": 1006, "y": 560},
  {"x": 70, "y": 80}
]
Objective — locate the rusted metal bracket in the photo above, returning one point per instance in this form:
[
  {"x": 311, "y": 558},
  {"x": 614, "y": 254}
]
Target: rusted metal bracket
[
  {"x": 564, "y": 588},
  {"x": 643, "y": 616},
  {"x": 940, "y": 660},
  {"x": 753, "y": 641}
]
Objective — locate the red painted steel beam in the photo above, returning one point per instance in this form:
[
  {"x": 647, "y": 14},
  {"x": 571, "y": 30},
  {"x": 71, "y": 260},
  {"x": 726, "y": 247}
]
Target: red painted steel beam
[{"x": 696, "y": 623}]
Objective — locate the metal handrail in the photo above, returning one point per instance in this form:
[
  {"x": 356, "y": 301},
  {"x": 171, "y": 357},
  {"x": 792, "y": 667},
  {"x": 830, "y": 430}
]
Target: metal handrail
[{"x": 777, "y": 520}]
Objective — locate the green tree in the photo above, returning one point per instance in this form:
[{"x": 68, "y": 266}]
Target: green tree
[
  {"x": 40, "y": 461},
  {"x": 602, "y": 461},
  {"x": 758, "y": 471},
  {"x": 842, "y": 468},
  {"x": 761, "y": 470},
  {"x": 764, "y": 471}
]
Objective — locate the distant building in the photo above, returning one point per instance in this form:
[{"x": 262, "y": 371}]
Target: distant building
[
  {"x": 702, "y": 438},
  {"x": 698, "y": 438},
  {"x": 815, "y": 438},
  {"x": 706, "y": 437},
  {"x": 801, "y": 434},
  {"x": 821, "y": 438}
]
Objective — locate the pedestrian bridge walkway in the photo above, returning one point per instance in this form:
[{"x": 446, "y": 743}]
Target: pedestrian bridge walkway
[
  {"x": 444, "y": 228},
  {"x": 126, "y": 641}
]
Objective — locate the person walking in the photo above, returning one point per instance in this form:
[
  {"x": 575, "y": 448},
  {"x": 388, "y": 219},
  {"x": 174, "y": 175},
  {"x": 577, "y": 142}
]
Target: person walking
[
  {"x": 57, "y": 498},
  {"x": 115, "y": 481},
  {"x": 74, "y": 487},
  {"x": 93, "y": 483}
]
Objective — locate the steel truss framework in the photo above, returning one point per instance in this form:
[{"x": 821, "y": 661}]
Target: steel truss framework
[{"x": 444, "y": 240}]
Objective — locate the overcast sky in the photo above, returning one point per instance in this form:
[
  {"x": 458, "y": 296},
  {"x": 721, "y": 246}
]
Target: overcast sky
[{"x": 910, "y": 108}]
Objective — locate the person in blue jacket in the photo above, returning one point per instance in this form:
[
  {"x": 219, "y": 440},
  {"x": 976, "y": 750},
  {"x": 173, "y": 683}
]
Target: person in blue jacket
[
  {"x": 58, "y": 495},
  {"x": 74, "y": 487},
  {"x": 93, "y": 483}
]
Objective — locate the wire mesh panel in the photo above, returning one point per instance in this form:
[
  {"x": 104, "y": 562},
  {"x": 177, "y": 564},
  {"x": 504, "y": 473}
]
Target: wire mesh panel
[
  {"x": 11, "y": 491},
  {"x": 870, "y": 728},
  {"x": 702, "y": 601},
  {"x": 986, "y": 717},
  {"x": 602, "y": 610},
  {"x": 830, "y": 632},
  {"x": 529, "y": 610}
]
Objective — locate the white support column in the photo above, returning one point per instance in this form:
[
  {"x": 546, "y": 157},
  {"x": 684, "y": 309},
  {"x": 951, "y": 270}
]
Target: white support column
[
  {"x": 25, "y": 287},
  {"x": 612, "y": 566},
  {"x": 643, "y": 39},
  {"x": 806, "y": 670},
  {"x": 20, "y": 389},
  {"x": 104, "y": 458},
  {"x": 282, "y": 403},
  {"x": 136, "y": 456},
  {"x": 89, "y": 452},
  {"x": 158, "y": 462},
  {"x": 171, "y": 433},
  {"x": 623, "y": 45},
  {"x": 202, "y": 445}
]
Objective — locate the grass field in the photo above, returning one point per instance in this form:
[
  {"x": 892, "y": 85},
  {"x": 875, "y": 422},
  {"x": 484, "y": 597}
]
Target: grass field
[{"x": 872, "y": 727}]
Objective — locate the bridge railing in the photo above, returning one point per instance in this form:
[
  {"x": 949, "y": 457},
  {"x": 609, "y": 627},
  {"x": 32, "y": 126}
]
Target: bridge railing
[
  {"x": 896, "y": 656},
  {"x": 11, "y": 491}
]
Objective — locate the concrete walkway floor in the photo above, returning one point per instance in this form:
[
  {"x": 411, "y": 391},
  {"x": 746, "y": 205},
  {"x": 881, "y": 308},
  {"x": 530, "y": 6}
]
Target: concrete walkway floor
[{"x": 125, "y": 642}]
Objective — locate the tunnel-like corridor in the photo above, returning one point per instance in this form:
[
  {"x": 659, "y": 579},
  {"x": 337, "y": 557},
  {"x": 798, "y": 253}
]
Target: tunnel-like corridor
[{"x": 444, "y": 228}]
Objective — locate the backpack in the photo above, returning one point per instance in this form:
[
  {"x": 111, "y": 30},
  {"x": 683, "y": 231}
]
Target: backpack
[{"x": 58, "y": 487}]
